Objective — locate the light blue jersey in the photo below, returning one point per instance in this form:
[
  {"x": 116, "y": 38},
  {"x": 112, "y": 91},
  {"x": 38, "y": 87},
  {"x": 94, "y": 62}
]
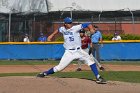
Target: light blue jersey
[{"x": 95, "y": 38}]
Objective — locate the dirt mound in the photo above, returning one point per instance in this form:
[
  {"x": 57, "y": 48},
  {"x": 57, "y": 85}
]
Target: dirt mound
[{"x": 63, "y": 85}]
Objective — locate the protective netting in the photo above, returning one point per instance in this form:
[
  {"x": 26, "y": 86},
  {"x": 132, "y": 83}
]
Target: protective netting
[
  {"x": 32, "y": 17},
  {"x": 27, "y": 6}
]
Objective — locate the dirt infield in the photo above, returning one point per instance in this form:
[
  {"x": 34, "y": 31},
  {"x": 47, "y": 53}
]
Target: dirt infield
[
  {"x": 72, "y": 67},
  {"x": 62, "y": 85}
]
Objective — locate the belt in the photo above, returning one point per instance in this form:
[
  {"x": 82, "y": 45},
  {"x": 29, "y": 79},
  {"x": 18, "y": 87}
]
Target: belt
[{"x": 75, "y": 48}]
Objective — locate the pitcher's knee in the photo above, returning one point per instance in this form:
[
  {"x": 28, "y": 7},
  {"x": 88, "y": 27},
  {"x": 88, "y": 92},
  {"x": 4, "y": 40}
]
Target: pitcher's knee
[
  {"x": 58, "y": 68},
  {"x": 90, "y": 63}
]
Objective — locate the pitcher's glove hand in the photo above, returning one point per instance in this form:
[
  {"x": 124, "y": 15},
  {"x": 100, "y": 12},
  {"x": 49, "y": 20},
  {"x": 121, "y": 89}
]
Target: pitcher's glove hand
[
  {"x": 90, "y": 51},
  {"x": 102, "y": 68}
]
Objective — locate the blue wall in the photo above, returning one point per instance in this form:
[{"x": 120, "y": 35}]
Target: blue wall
[
  {"x": 119, "y": 51},
  {"x": 38, "y": 51}
]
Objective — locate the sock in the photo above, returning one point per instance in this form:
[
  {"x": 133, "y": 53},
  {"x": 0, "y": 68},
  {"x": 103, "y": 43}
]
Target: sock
[
  {"x": 50, "y": 71},
  {"x": 95, "y": 70}
]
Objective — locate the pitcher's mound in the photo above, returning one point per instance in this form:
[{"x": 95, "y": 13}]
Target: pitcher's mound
[{"x": 63, "y": 85}]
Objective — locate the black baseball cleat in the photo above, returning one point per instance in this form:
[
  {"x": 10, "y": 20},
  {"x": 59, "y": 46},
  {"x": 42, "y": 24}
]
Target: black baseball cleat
[
  {"x": 101, "y": 80},
  {"x": 78, "y": 69},
  {"x": 102, "y": 68},
  {"x": 40, "y": 75}
]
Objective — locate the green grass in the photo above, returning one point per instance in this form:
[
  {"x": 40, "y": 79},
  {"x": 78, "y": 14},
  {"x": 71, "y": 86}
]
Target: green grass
[
  {"x": 125, "y": 76},
  {"x": 121, "y": 62},
  {"x": 41, "y": 62},
  {"x": 27, "y": 62}
]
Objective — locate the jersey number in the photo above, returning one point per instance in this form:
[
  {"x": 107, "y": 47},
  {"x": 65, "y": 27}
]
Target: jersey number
[{"x": 71, "y": 38}]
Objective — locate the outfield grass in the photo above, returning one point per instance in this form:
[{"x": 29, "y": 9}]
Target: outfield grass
[
  {"x": 43, "y": 62},
  {"x": 121, "y": 62},
  {"x": 27, "y": 62},
  {"x": 125, "y": 76}
]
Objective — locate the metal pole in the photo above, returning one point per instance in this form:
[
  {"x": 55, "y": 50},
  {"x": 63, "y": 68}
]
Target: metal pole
[
  {"x": 115, "y": 24},
  {"x": 100, "y": 16},
  {"x": 92, "y": 19},
  {"x": 9, "y": 30},
  {"x": 25, "y": 26},
  {"x": 34, "y": 27},
  {"x": 47, "y": 5},
  {"x": 71, "y": 12},
  {"x": 133, "y": 21}
]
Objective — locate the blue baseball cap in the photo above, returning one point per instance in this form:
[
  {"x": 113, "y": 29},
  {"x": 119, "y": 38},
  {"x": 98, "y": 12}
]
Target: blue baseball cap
[{"x": 67, "y": 20}]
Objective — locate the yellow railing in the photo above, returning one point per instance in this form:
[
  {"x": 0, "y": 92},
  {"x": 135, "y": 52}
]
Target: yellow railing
[
  {"x": 31, "y": 42},
  {"x": 121, "y": 41}
]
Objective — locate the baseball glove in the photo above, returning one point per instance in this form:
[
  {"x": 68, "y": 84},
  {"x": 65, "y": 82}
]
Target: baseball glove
[{"x": 90, "y": 50}]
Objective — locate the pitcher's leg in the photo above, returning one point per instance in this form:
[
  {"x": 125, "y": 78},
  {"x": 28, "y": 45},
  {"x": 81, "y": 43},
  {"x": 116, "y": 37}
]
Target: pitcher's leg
[
  {"x": 92, "y": 65},
  {"x": 94, "y": 69},
  {"x": 65, "y": 61},
  {"x": 94, "y": 59}
]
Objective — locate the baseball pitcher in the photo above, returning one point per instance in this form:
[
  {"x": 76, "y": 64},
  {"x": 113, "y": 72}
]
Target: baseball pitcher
[{"x": 73, "y": 50}]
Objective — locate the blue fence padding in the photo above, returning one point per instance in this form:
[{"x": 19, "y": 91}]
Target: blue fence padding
[
  {"x": 120, "y": 51},
  {"x": 31, "y": 51},
  {"x": 110, "y": 51}
]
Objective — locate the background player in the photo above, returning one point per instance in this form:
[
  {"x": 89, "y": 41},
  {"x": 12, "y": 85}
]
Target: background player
[
  {"x": 96, "y": 37},
  {"x": 116, "y": 37},
  {"x": 86, "y": 41},
  {"x": 72, "y": 45},
  {"x": 42, "y": 38},
  {"x": 26, "y": 38}
]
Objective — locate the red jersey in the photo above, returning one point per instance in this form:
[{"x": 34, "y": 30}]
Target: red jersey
[{"x": 85, "y": 41}]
